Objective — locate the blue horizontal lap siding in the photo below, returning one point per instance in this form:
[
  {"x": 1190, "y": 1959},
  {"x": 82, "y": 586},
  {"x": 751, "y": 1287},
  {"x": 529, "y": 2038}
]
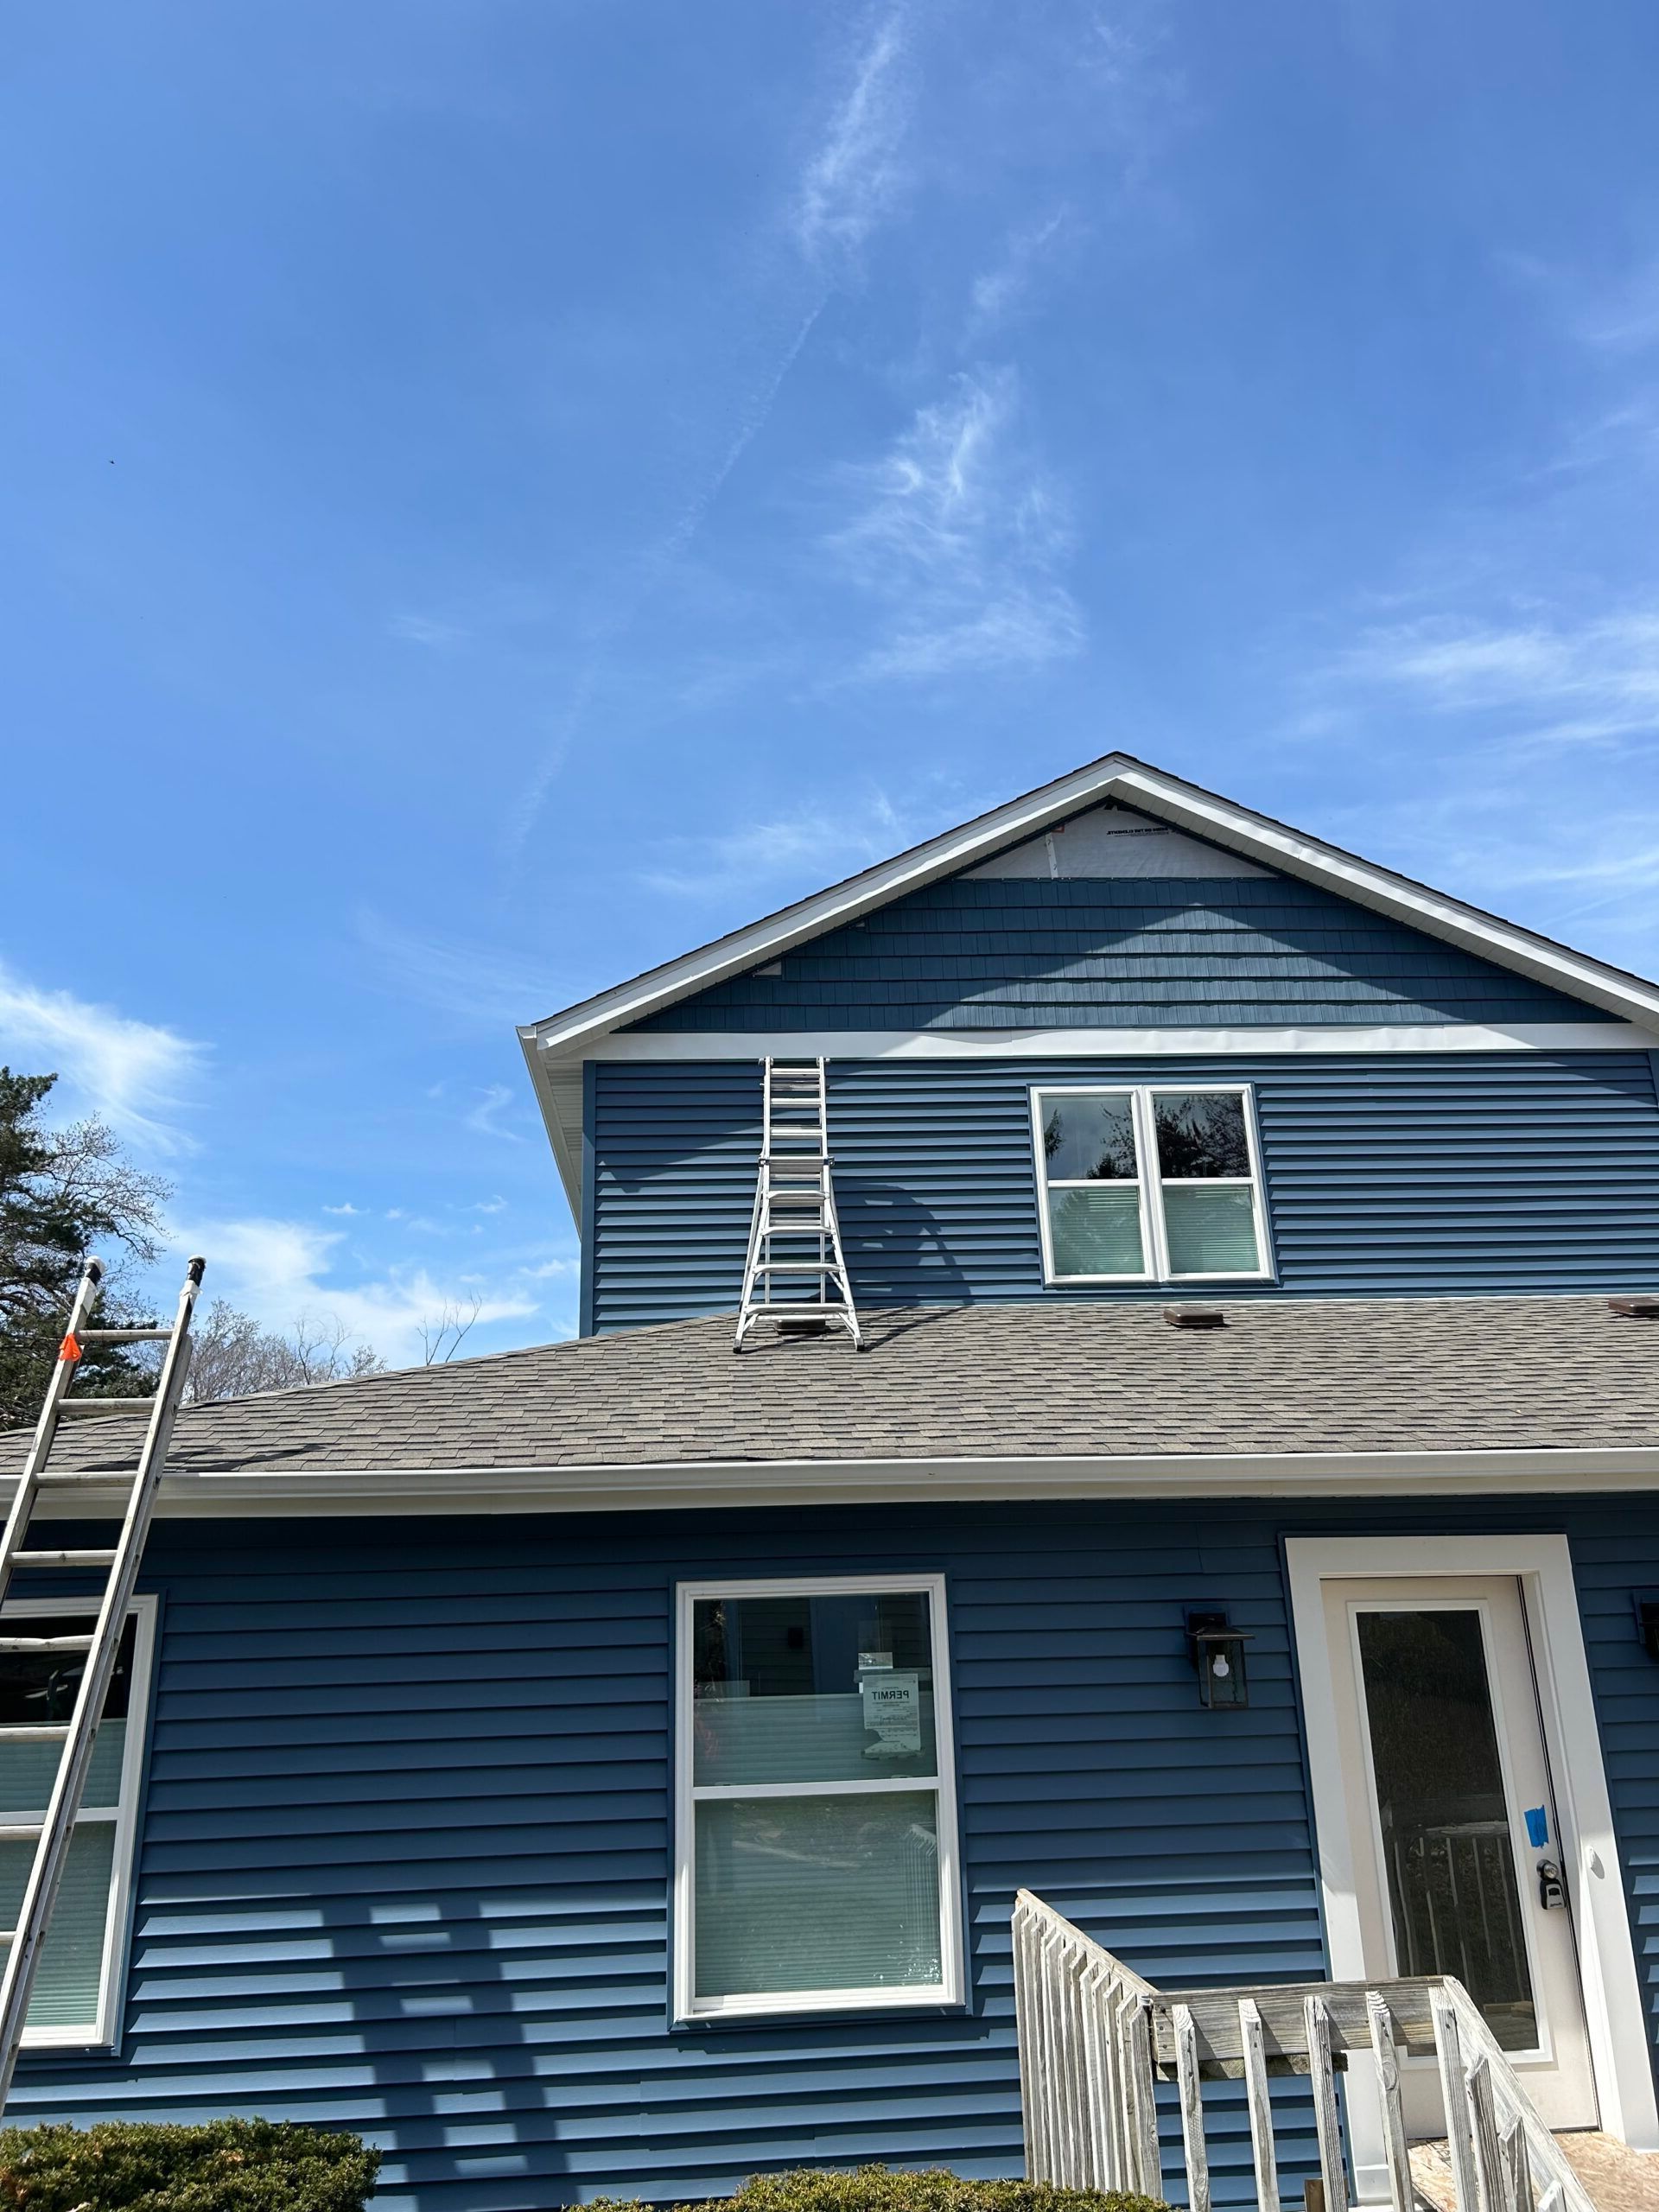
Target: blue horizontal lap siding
[
  {"x": 1393, "y": 1173},
  {"x": 406, "y": 1850},
  {"x": 989, "y": 953},
  {"x": 406, "y": 1858}
]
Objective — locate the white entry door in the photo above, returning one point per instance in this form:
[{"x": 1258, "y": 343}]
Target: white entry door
[{"x": 1455, "y": 1838}]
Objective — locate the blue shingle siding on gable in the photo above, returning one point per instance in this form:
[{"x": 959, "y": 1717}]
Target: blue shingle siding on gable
[
  {"x": 1385, "y": 1173},
  {"x": 1010, "y": 953},
  {"x": 405, "y": 1862}
]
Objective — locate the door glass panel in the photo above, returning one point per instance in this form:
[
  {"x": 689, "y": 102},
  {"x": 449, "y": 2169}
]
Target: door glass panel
[{"x": 1447, "y": 1846}]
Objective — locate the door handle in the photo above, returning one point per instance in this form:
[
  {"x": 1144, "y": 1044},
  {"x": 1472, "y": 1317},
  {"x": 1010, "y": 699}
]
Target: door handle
[{"x": 1551, "y": 1890}]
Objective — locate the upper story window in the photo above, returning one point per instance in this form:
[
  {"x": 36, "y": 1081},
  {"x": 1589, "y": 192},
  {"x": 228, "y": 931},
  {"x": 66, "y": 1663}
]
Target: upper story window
[
  {"x": 1155, "y": 1183},
  {"x": 817, "y": 1847}
]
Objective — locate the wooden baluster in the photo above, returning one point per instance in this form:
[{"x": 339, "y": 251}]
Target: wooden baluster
[
  {"x": 1483, "y": 2122},
  {"x": 1261, "y": 2105},
  {"x": 1025, "y": 2036},
  {"x": 1080, "y": 2163},
  {"x": 1053, "y": 2103},
  {"x": 1109, "y": 2165},
  {"x": 1137, "y": 2023},
  {"x": 1186, "y": 2076},
  {"x": 1516, "y": 2167},
  {"x": 1454, "y": 2091},
  {"x": 1401, "y": 2195},
  {"x": 1322, "y": 2080}
]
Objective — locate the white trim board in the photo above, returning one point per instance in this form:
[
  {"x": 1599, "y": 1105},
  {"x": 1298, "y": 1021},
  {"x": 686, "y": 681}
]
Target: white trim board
[
  {"x": 1542, "y": 1565},
  {"x": 1108, "y": 1044},
  {"x": 1118, "y": 776},
  {"x": 712, "y": 1484}
]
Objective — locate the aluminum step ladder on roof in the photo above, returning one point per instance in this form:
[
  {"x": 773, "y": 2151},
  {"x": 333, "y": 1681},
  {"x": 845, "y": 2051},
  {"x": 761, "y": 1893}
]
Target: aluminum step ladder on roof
[
  {"x": 52, "y": 1834},
  {"x": 795, "y": 1273}
]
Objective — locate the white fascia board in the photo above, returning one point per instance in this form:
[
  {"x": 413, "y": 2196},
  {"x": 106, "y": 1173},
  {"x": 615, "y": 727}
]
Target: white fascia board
[
  {"x": 574, "y": 1033},
  {"x": 566, "y": 1143},
  {"x": 1103, "y": 1043},
  {"x": 709, "y": 1484}
]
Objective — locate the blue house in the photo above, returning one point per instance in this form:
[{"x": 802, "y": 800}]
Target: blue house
[{"x": 608, "y": 1769}]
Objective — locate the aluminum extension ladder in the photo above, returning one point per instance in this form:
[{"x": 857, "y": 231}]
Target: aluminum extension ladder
[
  {"x": 52, "y": 1834},
  {"x": 794, "y": 1235}
]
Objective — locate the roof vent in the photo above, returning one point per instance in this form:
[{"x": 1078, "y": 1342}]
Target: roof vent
[
  {"x": 1641, "y": 1309},
  {"x": 1209, "y": 1317}
]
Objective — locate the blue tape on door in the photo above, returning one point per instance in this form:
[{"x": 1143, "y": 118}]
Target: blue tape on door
[{"x": 1537, "y": 1827}]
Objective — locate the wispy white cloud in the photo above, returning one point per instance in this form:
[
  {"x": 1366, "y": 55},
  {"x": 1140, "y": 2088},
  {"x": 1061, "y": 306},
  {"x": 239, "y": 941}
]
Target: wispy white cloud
[
  {"x": 484, "y": 1120},
  {"x": 137, "y": 1075},
  {"x": 422, "y": 630},
  {"x": 1557, "y": 682},
  {"x": 282, "y": 1272},
  {"x": 347, "y": 1208},
  {"x": 812, "y": 847},
  {"x": 998, "y": 292},
  {"x": 959, "y": 537},
  {"x": 854, "y": 175},
  {"x": 484, "y": 985}
]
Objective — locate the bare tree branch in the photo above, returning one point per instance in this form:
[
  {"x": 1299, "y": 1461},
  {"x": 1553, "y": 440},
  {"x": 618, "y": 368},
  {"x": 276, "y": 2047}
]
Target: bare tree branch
[{"x": 443, "y": 1338}]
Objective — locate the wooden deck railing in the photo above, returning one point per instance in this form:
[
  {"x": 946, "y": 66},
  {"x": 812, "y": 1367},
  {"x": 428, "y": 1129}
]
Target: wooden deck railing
[{"x": 1096, "y": 2039}]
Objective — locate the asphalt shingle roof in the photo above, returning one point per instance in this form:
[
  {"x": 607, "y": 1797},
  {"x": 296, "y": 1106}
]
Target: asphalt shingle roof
[{"x": 1050, "y": 1380}]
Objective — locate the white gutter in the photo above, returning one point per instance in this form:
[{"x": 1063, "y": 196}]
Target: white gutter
[{"x": 712, "y": 1484}]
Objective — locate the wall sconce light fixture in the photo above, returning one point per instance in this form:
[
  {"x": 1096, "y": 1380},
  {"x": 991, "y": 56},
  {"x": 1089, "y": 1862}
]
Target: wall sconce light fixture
[
  {"x": 1218, "y": 1655},
  {"x": 1647, "y": 1621}
]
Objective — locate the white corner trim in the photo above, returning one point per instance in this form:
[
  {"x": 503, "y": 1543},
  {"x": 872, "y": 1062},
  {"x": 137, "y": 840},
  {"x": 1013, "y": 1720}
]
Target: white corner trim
[
  {"x": 1108, "y": 1044},
  {"x": 711, "y": 1485},
  {"x": 1619, "y": 2051},
  {"x": 1168, "y": 798}
]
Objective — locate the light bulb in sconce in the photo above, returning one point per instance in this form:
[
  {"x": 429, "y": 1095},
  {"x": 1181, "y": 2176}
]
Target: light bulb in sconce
[{"x": 1221, "y": 1669}]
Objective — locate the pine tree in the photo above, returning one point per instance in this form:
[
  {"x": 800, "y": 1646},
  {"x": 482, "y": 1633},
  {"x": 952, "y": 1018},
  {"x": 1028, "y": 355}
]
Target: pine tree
[{"x": 64, "y": 1193}]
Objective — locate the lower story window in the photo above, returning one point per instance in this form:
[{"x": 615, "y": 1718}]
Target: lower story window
[
  {"x": 76, "y": 1994},
  {"x": 818, "y": 1848}
]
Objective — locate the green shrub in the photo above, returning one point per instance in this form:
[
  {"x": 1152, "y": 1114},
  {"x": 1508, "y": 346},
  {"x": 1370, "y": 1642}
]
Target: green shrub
[
  {"x": 228, "y": 2165},
  {"x": 882, "y": 2188}
]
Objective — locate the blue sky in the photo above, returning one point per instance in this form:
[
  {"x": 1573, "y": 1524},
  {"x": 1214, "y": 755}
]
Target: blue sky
[{"x": 498, "y": 492}]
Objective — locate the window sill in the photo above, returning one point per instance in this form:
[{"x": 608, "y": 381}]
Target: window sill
[{"x": 833, "y": 2005}]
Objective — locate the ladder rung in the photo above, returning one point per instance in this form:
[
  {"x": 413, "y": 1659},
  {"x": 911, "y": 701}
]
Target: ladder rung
[
  {"x": 46, "y": 1642},
  {"x": 21, "y": 1832},
  {"x": 791, "y": 1308},
  {"x": 8, "y": 1935},
  {"x": 797, "y": 1268},
  {"x": 124, "y": 1336},
  {"x": 107, "y": 1405},
  {"x": 33, "y": 1732},
  {"x": 64, "y": 1558},
  {"x": 99, "y": 1482}
]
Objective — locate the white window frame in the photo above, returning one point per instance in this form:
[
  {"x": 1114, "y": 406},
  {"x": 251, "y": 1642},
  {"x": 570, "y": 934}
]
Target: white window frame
[
  {"x": 103, "y": 2031},
  {"x": 689, "y": 2008},
  {"x": 1149, "y": 1183}
]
